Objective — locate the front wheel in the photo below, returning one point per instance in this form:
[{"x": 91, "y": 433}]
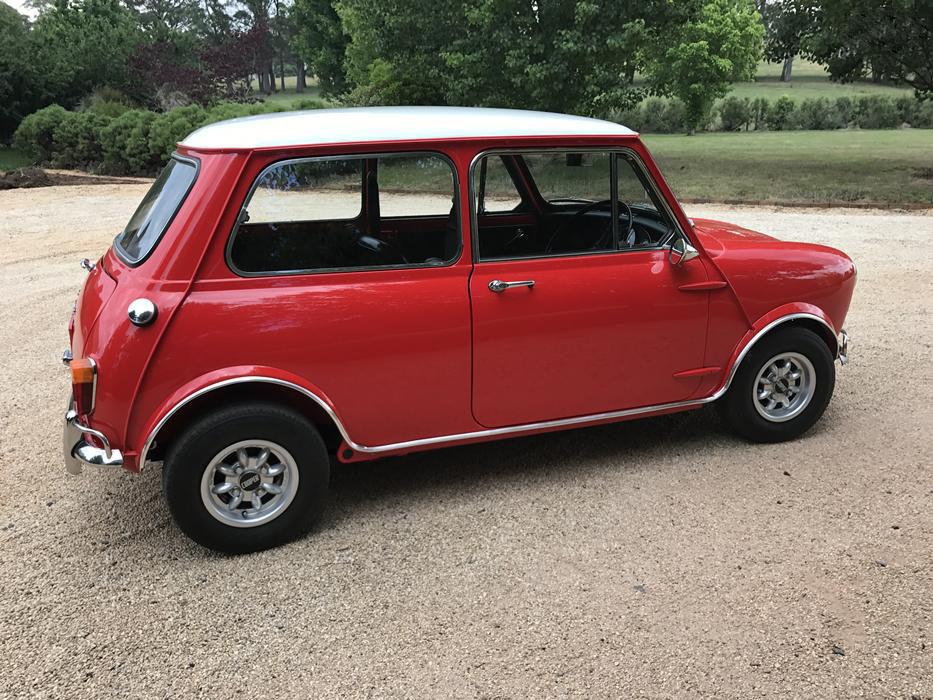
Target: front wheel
[
  {"x": 781, "y": 388},
  {"x": 247, "y": 478}
]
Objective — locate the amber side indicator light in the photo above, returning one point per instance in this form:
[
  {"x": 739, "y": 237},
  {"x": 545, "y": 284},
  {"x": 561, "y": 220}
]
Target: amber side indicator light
[{"x": 83, "y": 384}]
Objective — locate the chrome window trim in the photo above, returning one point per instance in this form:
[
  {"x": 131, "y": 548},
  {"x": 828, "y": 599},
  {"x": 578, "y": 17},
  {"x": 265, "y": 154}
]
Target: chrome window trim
[
  {"x": 118, "y": 249},
  {"x": 228, "y": 248},
  {"x": 490, "y": 432},
  {"x": 615, "y": 150}
]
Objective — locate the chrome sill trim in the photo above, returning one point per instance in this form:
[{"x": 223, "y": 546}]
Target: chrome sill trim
[{"x": 479, "y": 434}]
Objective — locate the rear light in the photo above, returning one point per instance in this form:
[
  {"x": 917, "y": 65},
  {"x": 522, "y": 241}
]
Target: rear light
[{"x": 84, "y": 384}]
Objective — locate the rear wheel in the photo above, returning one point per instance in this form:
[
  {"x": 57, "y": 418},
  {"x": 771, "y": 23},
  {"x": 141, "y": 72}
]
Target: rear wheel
[
  {"x": 781, "y": 388},
  {"x": 247, "y": 478}
]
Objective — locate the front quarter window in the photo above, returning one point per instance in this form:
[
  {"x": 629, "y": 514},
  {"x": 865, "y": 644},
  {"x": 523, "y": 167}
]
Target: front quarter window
[{"x": 156, "y": 211}]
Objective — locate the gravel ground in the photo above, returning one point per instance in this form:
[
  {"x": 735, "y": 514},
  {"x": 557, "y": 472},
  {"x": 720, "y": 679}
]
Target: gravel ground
[{"x": 655, "y": 558}]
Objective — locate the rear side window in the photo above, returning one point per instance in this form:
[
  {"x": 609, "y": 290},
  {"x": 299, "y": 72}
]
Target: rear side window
[
  {"x": 156, "y": 211},
  {"x": 348, "y": 213}
]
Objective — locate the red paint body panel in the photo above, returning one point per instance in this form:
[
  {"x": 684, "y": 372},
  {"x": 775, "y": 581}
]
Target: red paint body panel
[{"x": 414, "y": 354}]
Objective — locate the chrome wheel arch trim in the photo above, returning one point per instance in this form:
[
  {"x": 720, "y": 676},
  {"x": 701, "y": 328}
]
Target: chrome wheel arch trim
[{"x": 489, "y": 432}]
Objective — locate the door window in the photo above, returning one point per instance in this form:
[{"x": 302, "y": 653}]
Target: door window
[
  {"x": 570, "y": 206},
  {"x": 349, "y": 213}
]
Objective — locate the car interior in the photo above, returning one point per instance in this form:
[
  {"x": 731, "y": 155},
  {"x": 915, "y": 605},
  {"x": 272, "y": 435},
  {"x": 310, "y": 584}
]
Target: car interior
[{"x": 515, "y": 219}]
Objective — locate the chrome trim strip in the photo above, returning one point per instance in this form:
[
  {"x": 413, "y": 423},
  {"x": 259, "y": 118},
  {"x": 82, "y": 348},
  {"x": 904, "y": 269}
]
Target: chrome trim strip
[{"x": 491, "y": 432}]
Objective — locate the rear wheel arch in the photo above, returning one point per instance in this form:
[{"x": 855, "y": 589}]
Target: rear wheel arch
[{"x": 239, "y": 391}]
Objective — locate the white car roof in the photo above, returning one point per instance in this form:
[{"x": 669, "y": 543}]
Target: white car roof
[{"x": 372, "y": 124}]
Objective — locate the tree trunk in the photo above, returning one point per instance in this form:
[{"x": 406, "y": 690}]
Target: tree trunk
[
  {"x": 271, "y": 78},
  {"x": 786, "y": 70},
  {"x": 300, "y": 81},
  {"x": 282, "y": 73}
]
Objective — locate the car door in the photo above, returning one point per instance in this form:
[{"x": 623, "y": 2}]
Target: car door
[{"x": 585, "y": 325}]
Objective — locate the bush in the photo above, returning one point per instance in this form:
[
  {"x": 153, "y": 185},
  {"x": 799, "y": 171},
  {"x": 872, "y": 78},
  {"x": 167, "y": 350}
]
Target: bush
[
  {"x": 876, "y": 112},
  {"x": 660, "y": 116},
  {"x": 77, "y": 139},
  {"x": 907, "y": 109},
  {"x": 170, "y": 128},
  {"x": 759, "y": 112},
  {"x": 845, "y": 107},
  {"x": 817, "y": 114},
  {"x": 734, "y": 113},
  {"x": 924, "y": 116},
  {"x": 34, "y": 134},
  {"x": 125, "y": 144},
  {"x": 107, "y": 102},
  {"x": 780, "y": 113}
]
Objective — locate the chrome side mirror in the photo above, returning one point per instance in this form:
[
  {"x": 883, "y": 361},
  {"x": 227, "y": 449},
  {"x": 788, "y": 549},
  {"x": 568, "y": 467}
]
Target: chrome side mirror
[{"x": 681, "y": 251}]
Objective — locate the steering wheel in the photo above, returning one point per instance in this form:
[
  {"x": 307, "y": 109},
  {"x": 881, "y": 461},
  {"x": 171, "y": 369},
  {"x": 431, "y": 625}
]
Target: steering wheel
[
  {"x": 390, "y": 253},
  {"x": 583, "y": 211}
]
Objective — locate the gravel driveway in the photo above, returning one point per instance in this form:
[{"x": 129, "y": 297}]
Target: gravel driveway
[{"x": 654, "y": 558}]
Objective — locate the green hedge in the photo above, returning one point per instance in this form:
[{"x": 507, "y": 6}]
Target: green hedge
[
  {"x": 665, "y": 116},
  {"x": 134, "y": 142}
]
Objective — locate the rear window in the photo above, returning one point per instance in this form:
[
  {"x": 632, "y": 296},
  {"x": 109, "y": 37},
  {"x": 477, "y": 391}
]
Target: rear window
[{"x": 156, "y": 211}]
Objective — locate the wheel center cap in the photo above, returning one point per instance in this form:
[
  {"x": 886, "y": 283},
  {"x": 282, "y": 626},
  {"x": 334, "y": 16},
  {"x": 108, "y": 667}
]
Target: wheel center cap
[
  {"x": 250, "y": 480},
  {"x": 781, "y": 385}
]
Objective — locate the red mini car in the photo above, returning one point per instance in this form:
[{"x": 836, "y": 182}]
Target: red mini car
[{"x": 372, "y": 282}]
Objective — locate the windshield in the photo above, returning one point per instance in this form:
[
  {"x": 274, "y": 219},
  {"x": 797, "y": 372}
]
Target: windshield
[{"x": 156, "y": 211}]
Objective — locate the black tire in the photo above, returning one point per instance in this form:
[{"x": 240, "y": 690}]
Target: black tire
[
  {"x": 737, "y": 407},
  {"x": 193, "y": 451}
]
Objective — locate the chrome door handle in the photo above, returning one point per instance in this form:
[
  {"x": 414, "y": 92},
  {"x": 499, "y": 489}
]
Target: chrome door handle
[{"x": 500, "y": 286}]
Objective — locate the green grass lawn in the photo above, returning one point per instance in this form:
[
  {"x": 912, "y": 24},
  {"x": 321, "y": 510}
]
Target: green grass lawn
[
  {"x": 803, "y": 166},
  {"x": 289, "y": 95},
  {"x": 807, "y": 80},
  {"x": 11, "y": 159}
]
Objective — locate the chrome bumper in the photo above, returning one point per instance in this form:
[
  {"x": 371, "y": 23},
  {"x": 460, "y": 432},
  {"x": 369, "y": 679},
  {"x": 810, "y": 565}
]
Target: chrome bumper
[
  {"x": 843, "y": 344},
  {"x": 78, "y": 453}
]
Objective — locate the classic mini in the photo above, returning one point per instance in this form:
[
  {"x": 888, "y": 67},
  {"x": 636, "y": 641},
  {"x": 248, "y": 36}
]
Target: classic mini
[{"x": 302, "y": 289}]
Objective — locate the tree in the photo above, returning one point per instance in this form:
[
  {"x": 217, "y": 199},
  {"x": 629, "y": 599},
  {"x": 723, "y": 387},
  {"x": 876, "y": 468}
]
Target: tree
[
  {"x": 17, "y": 78},
  {"x": 77, "y": 45},
  {"x": 320, "y": 42},
  {"x": 787, "y": 24},
  {"x": 890, "y": 39},
  {"x": 698, "y": 61}
]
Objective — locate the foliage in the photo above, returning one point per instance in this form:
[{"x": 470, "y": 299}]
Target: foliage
[
  {"x": 780, "y": 113},
  {"x": 137, "y": 142},
  {"x": 77, "y": 45},
  {"x": 17, "y": 76},
  {"x": 321, "y": 41},
  {"x": 875, "y": 112},
  {"x": 735, "y": 113},
  {"x": 787, "y": 25},
  {"x": 889, "y": 39},
  {"x": 697, "y": 63},
  {"x": 35, "y": 132}
]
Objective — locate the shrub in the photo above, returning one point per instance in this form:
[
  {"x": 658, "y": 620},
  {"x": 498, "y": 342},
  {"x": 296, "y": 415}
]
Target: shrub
[
  {"x": 107, "y": 102},
  {"x": 817, "y": 114},
  {"x": 660, "y": 116},
  {"x": 924, "y": 117},
  {"x": 170, "y": 128},
  {"x": 125, "y": 144},
  {"x": 77, "y": 139},
  {"x": 876, "y": 112},
  {"x": 759, "y": 112},
  {"x": 734, "y": 113},
  {"x": 34, "y": 134},
  {"x": 906, "y": 108},
  {"x": 845, "y": 107},
  {"x": 780, "y": 113}
]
